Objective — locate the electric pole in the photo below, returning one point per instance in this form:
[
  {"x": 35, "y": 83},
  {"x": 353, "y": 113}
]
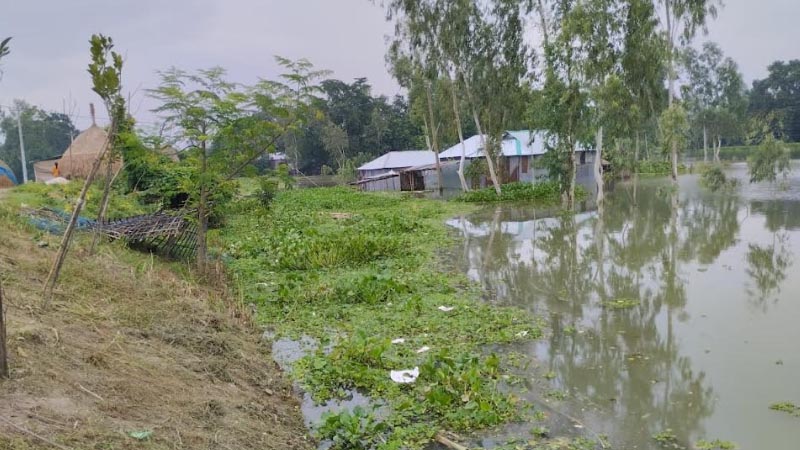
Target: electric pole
[{"x": 22, "y": 147}]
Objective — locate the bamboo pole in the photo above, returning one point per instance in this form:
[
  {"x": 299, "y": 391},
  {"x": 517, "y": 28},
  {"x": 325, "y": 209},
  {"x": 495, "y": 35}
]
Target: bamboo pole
[{"x": 3, "y": 348}]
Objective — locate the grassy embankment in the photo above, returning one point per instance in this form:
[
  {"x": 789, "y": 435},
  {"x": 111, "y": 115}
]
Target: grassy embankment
[
  {"x": 132, "y": 353},
  {"x": 741, "y": 153},
  {"x": 356, "y": 271}
]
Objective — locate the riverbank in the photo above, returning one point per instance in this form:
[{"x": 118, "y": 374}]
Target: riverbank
[
  {"x": 132, "y": 353},
  {"x": 363, "y": 274}
]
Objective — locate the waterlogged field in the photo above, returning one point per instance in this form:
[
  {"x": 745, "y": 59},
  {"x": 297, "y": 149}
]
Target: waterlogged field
[
  {"x": 666, "y": 327},
  {"x": 361, "y": 274}
]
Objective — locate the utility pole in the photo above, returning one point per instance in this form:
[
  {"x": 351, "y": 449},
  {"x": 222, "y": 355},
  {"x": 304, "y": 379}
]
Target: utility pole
[{"x": 22, "y": 147}]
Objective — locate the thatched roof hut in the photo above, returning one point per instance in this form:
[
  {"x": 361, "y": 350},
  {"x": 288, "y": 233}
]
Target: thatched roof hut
[
  {"x": 7, "y": 178},
  {"x": 170, "y": 152},
  {"x": 77, "y": 161}
]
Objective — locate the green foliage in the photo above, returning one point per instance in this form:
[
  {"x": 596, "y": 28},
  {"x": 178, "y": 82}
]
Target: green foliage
[
  {"x": 476, "y": 170},
  {"x": 770, "y": 160},
  {"x": 667, "y": 439},
  {"x": 105, "y": 69},
  {"x": 716, "y": 444},
  {"x": 358, "y": 270},
  {"x": 787, "y": 407},
  {"x": 63, "y": 196},
  {"x": 714, "y": 179},
  {"x": 4, "y": 48},
  {"x": 358, "y": 430},
  {"x": 741, "y": 153},
  {"x": 777, "y": 98},
  {"x": 267, "y": 189},
  {"x": 620, "y": 304},
  {"x": 673, "y": 127},
  {"x": 544, "y": 193}
]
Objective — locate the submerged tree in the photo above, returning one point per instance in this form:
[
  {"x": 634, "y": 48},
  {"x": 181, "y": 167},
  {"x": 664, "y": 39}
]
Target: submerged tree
[{"x": 769, "y": 160}]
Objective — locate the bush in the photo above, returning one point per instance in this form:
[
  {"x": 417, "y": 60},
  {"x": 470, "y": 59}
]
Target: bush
[
  {"x": 267, "y": 189},
  {"x": 714, "y": 179},
  {"x": 547, "y": 192}
]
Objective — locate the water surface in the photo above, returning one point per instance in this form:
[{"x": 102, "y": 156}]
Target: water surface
[{"x": 714, "y": 338}]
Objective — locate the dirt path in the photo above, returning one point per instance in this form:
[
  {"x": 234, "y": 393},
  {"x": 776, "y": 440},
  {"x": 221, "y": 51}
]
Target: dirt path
[{"x": 131, "y": 355}]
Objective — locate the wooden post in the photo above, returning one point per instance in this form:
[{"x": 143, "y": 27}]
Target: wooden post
[
  {"x": 3, "y": 350},
  {"x": 55, "y": 269}
]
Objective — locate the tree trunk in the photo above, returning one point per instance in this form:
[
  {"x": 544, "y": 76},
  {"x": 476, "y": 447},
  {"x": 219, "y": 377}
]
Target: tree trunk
[
  {"x": 55, "y": 269},
  {"x": 674, "y": 163},
  {"x": 572, "y": 176},
  {"x": 716, "y": 150},
  {"x": 489, "y": 163},
  {"x": 705, "y": 144},
  {"x": 101, "y": 215},
  {"x": 457, "y": 114},
  {"x": 636, "y": 154},
  {"x": 202, "y": 215},
  {"x": 598, "y": 164},
  {"x": 3, "y": 348},
  {"x": 434, "y": 140}
]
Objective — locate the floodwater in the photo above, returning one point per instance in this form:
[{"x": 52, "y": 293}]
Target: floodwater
[{"x": 713, "y": 339}]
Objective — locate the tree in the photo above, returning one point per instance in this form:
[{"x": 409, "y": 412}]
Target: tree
[
  {"x": 778, "y": 97},
  {"x": 199, "y": 106},
  {"x": 106, "y": 73},
  {"x": 46, "y": 134},
  {"x": 682, "y": 19},
  {"x": 334, "y": 138},
  {"x": 714, "y": 95},
  {"x": 770, "y": 159},
  {"x": 204, "y": 109}
]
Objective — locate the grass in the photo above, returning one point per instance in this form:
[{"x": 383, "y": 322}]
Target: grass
[
  {"x": 620, "y": 304},
  {"x": 63, "y": 196},
  {"x": 358, "y": 270},
  {"x": 787, "y": 407},
  {"x": 132, "y": 353},
  {"x": 741, "y": 153},
  {"x": 545, "y": 193}
]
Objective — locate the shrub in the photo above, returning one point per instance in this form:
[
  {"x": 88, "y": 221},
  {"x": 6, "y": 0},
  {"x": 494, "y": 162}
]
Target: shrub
[{"x": 547, "y": 192}]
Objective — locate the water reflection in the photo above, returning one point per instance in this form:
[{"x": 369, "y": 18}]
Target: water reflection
[{"x": 646, "y": 368}]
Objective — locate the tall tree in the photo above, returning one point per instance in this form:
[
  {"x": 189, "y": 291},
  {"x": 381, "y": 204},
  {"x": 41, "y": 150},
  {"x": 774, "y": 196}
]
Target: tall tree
[
  {"x": 105, "y": 69},
  {"x": 46, "y": 134},
  {"x": 682, "y": 19},
  {"x": 199, "y": 106},
  {"x": 714, "y": 94},
  {"x": 777, "y": 97}
]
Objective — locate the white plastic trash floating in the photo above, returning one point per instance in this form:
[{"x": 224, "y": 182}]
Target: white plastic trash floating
[
  {"x": 423, "y": 349},
  {"x": 522, "y": 333},
  {"x": 404, "y": 376},
  {"x": 446, "y": 308},
  {"x": 398, "y": 341}
]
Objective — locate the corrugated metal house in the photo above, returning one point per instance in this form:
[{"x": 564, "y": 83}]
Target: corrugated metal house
[{"x": 395, "y": 162}]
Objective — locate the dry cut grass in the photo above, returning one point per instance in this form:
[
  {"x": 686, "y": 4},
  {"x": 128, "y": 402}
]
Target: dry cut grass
[{"x": 129, "y": 345}]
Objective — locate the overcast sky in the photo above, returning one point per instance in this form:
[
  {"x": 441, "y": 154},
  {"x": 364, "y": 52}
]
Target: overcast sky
[{"x": 49, "y": 50}]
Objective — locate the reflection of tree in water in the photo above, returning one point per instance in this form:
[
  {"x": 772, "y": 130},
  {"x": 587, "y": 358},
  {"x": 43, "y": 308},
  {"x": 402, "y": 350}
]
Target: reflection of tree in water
[
  {"x": 628, "y": 360},
  {"x": 767, "y": 267}
]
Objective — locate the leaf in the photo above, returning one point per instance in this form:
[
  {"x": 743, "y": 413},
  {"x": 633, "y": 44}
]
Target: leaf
[{"x": 141, "y": 435}]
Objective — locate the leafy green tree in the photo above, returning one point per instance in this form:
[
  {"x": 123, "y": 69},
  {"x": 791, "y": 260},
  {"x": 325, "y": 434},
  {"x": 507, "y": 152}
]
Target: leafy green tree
[
  {"x": 770, "y": 160},
  {"x": 334, "y": 138},
  {"x": 777, "y": 97},
  {"x": 682, "y": 19},
  {"x": 714, "y": 94},
  {"x": 47, "y": 135}
]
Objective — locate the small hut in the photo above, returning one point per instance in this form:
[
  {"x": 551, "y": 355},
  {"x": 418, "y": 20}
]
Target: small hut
[
  {"x": 77, "y": 161},
  {"x": 170, "y": 152},
  {"x": 7, "y": 178}
]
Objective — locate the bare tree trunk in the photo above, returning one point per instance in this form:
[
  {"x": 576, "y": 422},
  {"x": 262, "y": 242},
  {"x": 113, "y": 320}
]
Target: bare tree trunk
[
  {"x": 671, "y": 76},
  {"x": 434, "y": 140},
  {"x": 489, "y": 162},
  {"x": 674, "y": 163},
  {"x": 716, "y": 151},
  {"x": 573, "y": 163},
  {"x": 101, "y": 215},
  {"x": 598, "y": 164},
  {"x": 3, "y": 348},
  {"x": 55, "y": 269},
  {"x": 457, "y": 115},
  {"x": 636, "y": 154},
  {"x": 705, "y": 144},
  {"x": 202, "y": 215}
]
